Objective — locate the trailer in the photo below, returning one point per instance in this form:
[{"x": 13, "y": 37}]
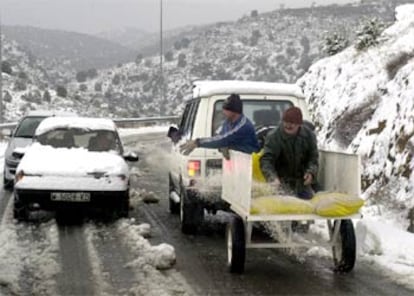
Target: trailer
[{"x": 339, "y": 172}]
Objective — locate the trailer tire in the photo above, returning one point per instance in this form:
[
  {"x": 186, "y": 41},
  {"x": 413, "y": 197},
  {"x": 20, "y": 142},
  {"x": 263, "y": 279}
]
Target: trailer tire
[
  {"x": 191, "y": 212},
  {"x": 173, "y": 206},
  {"x": 344, "y": 249},
  {"x": 236, "y": 245}
]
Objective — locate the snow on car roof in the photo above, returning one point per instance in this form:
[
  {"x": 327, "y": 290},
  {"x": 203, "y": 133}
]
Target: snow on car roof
[
  {"x": 87, "y": 123},
  {"x": 210, "y": 87}
]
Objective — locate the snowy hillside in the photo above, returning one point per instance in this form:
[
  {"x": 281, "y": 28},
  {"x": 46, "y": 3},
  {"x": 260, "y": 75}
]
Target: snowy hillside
[
  {"x": 30, "y": 83},
  {"x": 278, "y": 46},
  {"x": 362, "y": 100}
]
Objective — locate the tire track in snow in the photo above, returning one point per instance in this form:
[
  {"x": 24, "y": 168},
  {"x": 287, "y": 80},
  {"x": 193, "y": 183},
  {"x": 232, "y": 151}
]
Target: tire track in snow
[
  {"x": 110, "y": 258},
  {"x": 76, "y": 277}
]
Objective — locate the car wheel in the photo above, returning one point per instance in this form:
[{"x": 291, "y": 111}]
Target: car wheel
[
  {"x": 191, "y": 212},
  {"x": 20, "y": 211},
  {"x": 344, "y": 248},
  {"x": 236, "y": 245},
  {"x": 123, "y": 206},
  {"x": 174, "y": 207}
]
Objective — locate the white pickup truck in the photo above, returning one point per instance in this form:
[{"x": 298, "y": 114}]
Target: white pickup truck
[{"x": 195, "y": 179}]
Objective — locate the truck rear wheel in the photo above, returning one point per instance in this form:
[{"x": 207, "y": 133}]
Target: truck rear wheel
[
  {"x": 236, "y": 245},
  {"x": 173, "y": 206},
  {"x": 191, "y": 212},
  {"x": 344, "y": 248}
]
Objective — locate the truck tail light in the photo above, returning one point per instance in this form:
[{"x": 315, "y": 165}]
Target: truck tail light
[{"x": 194, "y": 168}]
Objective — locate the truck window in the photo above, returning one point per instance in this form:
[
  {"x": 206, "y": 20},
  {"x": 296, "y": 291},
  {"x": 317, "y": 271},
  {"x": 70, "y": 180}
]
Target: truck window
[
  {"x": 186, "y": 129},
  {"x": 260, "y": 112}
]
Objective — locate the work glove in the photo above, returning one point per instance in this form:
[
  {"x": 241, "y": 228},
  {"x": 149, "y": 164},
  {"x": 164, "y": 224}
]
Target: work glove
[
  {"x": 225, "y": 152},
  {"x": 188, "y": 147}
]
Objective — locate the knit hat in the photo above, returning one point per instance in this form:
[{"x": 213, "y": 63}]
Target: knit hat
[
  {"x": 233, "y": 103},
  {"x": 293, "y": 115}
]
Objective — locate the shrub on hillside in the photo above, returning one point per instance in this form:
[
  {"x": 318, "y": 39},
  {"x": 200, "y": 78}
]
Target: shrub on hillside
[
  {"x": 81, "y": 76},
  {"x": 254, "y": 38},
  {"x": 139, "y": 59},
  {"x": 83, "y": 87},
  {"x": 169, "y": 56},
  {"x": 46, "y": 96},
  {"x": 182, "y": 60},
  {"x": 61, "y": 91},
  {"x": 368, "y": 35},
  {"x": 20, "y": 85},
  {"x": 116, "y": 80},
  {"x": 396, "y": 63},
  {"x": 98, "y": 86},
  {"x": 351, "y": 121},
  {"x": 92, "y": 73},
  {"x": 334, "y": 43},
  {"x": 22, "y": 75},
  {"x": 6, "y": 67},
  {"x": 7, "y": 97}
]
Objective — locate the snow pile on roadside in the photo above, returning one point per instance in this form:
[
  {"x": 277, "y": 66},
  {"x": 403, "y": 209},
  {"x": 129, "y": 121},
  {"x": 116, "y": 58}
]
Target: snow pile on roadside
[
  {"x": 150, "y": 261},
  {"x": 387, "y": 247}
]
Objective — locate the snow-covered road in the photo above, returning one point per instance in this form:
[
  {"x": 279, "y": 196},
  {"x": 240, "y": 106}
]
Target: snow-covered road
[{"x": 129, "y": 256}]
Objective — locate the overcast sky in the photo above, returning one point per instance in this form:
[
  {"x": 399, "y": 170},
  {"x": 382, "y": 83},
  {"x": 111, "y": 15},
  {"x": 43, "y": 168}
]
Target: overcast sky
[{"x": 93, "y": 16}]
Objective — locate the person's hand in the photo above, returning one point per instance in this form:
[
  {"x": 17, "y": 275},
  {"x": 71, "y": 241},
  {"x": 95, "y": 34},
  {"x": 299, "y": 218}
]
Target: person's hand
[
  {"x": 188, "y": 147},
  {"x": 225, "y": 152},
  {"x": 308, "y": 178}
]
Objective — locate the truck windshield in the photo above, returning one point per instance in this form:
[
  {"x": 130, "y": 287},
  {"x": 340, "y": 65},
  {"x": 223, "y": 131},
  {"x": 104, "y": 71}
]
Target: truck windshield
[{"x": 260, "y": 112}]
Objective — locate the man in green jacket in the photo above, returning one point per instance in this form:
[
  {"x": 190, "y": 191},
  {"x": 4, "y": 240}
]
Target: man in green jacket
[{"x": 290, "y": 155}]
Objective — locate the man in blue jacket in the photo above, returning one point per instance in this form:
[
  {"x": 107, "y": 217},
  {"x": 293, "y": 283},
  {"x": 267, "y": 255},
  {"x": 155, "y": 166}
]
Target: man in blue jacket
[{"x": 237, "y": 132}]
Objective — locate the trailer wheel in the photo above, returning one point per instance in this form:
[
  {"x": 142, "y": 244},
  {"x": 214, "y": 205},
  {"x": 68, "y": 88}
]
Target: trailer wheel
[
  {"x": 191, "y": 212},
  {"x": 174, "y": 207},
  {"x": 344, "y": 248},
  {"x": 236, "y": 245}
]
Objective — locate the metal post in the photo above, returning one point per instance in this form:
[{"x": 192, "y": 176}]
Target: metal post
[
  {"x": 1, "y": 75},
  {"x": 161, "y": 55}
]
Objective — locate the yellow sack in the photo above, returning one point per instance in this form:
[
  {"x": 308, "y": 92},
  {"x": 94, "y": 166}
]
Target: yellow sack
[
  {"x": 260, "y": 189},
  {"x": 278, "y": 204},
  {"x": 335, "y": 204},
  {"x": 257, "y": 172}
]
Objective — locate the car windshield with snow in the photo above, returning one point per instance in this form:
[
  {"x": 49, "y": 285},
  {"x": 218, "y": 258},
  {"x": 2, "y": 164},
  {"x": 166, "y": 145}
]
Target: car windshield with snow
[{"x": 73, "y": 163}]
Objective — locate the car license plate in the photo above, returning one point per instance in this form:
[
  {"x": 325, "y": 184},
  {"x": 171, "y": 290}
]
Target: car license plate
[{"x": 71, "y": 196}]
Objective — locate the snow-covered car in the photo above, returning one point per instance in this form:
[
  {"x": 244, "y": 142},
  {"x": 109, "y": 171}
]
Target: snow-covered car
[
  {"x": 74, "y": 163},
  {"x": 22, "y": 137}
]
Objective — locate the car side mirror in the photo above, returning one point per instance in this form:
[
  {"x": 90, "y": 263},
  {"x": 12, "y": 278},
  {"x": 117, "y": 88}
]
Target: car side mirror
[
  {"x": 174, "y": 134},
  {"x": 131, "y": 156},
  {"x": 18, "y": 153}
]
